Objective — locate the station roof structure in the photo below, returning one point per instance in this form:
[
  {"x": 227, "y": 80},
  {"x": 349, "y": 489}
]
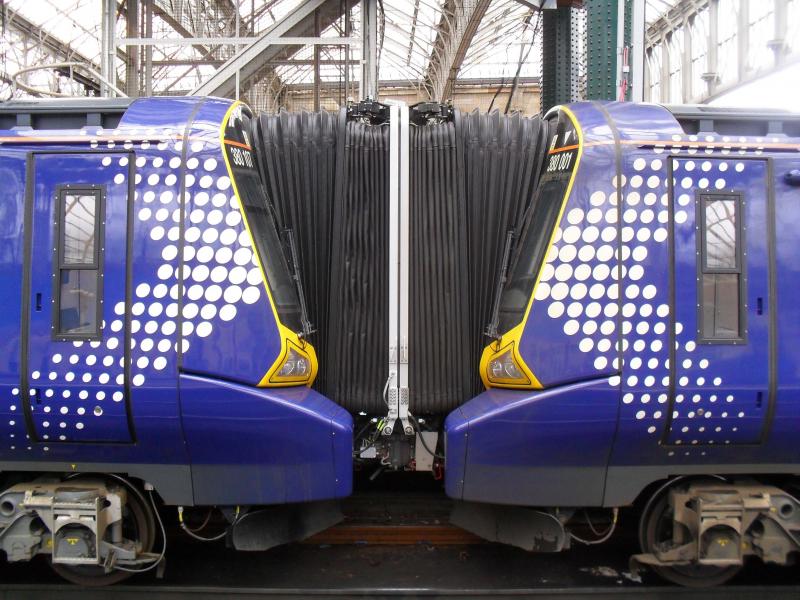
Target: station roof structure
[
  {"x": 422, "y": 43},
  {"x": 267, "y": 50}
]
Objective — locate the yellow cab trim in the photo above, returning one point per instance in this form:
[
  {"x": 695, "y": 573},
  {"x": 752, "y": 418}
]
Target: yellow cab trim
[
  {"x": 288, "y": 337},
  {"x": 513, "y": 337}
]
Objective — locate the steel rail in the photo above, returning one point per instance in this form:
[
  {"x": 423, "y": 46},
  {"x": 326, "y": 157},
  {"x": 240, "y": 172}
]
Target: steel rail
[{"x": 167, "y": 592}]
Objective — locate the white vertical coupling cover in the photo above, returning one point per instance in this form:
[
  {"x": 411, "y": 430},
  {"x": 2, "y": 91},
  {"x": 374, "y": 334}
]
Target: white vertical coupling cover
[{"x": 397, "y": 384}]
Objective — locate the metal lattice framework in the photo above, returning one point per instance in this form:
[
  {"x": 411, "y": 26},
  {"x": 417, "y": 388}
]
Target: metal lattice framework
[
  {"x": 425, "y": 49},
  {"x": 181, "y": 46},
  {"x": 697, "y": 50}
]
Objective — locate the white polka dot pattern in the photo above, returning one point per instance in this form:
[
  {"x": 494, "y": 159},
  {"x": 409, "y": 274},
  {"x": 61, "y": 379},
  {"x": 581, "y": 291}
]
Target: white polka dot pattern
[
  {"x": 579, "y": 289},
  {"x": 220, "y": 275}
]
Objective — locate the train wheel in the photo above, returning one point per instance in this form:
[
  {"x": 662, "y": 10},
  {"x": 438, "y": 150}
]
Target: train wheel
[
  {"x": 656, "y": 532},
  {"x": 138, "y": 523}
]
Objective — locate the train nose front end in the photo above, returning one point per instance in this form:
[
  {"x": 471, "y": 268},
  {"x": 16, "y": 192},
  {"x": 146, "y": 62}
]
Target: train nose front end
[
  {"x": 256, "y": 432},
  {"x": 541, "y": 433}
]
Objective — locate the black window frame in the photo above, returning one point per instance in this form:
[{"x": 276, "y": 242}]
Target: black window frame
[
  {"x": 701, "y": 199},
  {"x": 260, "y": 219},
  {"x": 538, "y": 230},
  {"x": 59, "y": 264}
]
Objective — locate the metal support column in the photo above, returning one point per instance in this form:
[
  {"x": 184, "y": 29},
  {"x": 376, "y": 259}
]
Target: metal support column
[
  {"x": 620, "y": 43},
  {"x": 711, "y": 76},
  {"x": 347, "y": 55},
  {"x": 686, "y": 62},
  {"x": 107, "y": 50},
  {"x": 148, "y": 51},
  {"x": 132, "y": 62},
  {"x": 601, "y": 29},
  {"x": 317, "y": 50},
  {"x": 638, "y": 24},
  {"x": 560, "y": 57},
  {"x": 614, "y": 27},
  {"x": 369, "y": 50},
  {"x": 778, "y": 43},
  {"x": 665, "y": 67},
  {"x": 743, "y": 37}
]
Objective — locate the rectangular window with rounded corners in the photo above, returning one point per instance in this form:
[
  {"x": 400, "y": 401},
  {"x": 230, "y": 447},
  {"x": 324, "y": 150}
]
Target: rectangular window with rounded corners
[
  {"x": 721, "y": 283},
  {"x": 77, "y": 290}
]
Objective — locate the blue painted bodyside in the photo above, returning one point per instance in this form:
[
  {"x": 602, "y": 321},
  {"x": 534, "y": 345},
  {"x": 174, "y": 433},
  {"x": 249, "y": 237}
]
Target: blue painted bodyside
[
  {"x": 195, "y": 302},
  {"x": 77, "y": 390},
  {"x": 254, "y": 446},
  {"x": 618, "y": 293},
  {"x": 511, "y": 445},
  {"x": 12, "y": 210}
]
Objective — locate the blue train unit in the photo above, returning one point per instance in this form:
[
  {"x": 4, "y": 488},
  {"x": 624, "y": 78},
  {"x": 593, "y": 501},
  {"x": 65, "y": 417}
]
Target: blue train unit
[
  {"x": 644, "y": 344},
  {"x": 153, "y": 330},
  {"x": 561, "y": 316}
]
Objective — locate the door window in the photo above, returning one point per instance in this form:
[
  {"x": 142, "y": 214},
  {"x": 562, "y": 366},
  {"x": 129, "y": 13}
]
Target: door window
[
  {"x": 721, "y": 279},
  {"x": 78, "y": 298}
]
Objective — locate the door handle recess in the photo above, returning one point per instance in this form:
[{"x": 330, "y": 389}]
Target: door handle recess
[
  {"x": 38, "y": 301},
  {"x": 759, "y": 306}
]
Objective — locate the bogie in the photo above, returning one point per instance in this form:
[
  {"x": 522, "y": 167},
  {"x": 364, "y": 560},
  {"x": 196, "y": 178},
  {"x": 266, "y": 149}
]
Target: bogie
[
  {"x": 699, "y": 531},
  {"x": 93, "y": 529}
]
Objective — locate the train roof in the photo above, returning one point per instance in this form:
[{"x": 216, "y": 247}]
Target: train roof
[
  {"x": 702, "y": 118},
  {"x": 75, "y": 113},
  {"x": 63, "y": 113}
]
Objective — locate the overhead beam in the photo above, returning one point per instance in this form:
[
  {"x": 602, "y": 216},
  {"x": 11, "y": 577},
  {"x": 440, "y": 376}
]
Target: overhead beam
[
  {"x": 45, "y": 39},
  {"x": 274, "y": 63},
  {"x": 488, "y": 83},
  {"x": 170, "y": 20},
  {"x": 457, "y": 27},
  {"x": 297, "y": 24},
  {"x": 237, "y": 41}
]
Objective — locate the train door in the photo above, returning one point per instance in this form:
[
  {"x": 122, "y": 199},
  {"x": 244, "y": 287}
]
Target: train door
[
  {"x": 77, "y": 344},
  {"x": 720, "y": 351}
]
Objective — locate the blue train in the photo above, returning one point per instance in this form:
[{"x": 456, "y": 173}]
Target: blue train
[
  {"x": 644, "y": 344},
  {"x": 153, "y": 329},
  {"x": 164, "y": 259}
]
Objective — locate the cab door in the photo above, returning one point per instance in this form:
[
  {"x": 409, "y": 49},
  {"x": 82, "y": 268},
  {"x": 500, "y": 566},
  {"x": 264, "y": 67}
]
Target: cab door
[
  {"x": 74, "y": 380},
  {"x": 721, "y": 352}
]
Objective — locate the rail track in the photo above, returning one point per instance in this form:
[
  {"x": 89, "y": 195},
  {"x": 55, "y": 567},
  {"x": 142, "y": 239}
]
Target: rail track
[
  {"x": 398, "y": 548},
  {"x": 58, "y": 592}
]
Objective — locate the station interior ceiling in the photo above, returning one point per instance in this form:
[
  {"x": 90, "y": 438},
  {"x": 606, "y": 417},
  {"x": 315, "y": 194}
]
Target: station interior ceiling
[{"x": 476, "y": 54}]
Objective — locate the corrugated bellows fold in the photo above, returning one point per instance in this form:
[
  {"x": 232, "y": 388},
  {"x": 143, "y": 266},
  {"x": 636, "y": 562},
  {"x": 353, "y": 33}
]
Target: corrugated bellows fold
[
  {"x": 297, "y": 156},
  {"x": 472, "y": 178},
  {"x": 328, "y": 177}
]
